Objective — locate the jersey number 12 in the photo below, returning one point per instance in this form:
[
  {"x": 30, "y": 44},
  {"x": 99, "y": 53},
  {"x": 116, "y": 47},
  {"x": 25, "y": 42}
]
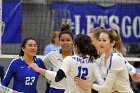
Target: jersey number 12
[{"x": 82, "y": 72}]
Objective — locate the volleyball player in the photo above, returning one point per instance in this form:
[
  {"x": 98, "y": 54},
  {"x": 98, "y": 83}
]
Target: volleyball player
[
  {"x": 94, "y": 35},
  {"x": 54, "y": 45},
  {"x": 25, "y": 80},
  {"x": 55, "y": 58},
  {"x": 81, "y": 64},
  {"x": 4, "y": 89},
  {"x": 117, "y": 77}
]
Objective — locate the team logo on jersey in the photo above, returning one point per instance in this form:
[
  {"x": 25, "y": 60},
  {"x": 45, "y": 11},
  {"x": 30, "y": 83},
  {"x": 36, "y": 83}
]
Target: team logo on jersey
[{"x": 22, "y": 66}]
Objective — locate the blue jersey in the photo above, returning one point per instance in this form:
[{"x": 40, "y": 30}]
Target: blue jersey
[{"x": 25, "y": 79}]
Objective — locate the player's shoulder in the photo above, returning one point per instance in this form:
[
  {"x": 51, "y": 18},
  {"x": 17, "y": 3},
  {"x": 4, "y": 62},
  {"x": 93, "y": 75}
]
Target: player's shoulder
[
  {"x": 69, "y": 57},
  {"x": 16, "y": 60},
  {"x": 74, "y": 56},
  {"x": 37, "y": 58},
  {"x": 116, "y": 56},
  {"x": 54, "y": 52}
]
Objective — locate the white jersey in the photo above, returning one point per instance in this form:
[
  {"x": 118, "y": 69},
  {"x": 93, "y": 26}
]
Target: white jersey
[
  {"x": 103, "y": 68},
  {"x": 130, "y": 68},
  {"x": 54, "y": 58},
  {"x": 4, "y": 89},
  {"x": 116, "y": 75},
  {"x": 78, "y": 66}
]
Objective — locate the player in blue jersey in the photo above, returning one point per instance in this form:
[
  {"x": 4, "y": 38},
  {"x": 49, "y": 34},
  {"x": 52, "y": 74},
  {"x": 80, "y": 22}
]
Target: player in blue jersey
[
  {"x": 4, "y": 89},
  {"x": 25, "y": 79},
  {"x": 82, "y": 64}
]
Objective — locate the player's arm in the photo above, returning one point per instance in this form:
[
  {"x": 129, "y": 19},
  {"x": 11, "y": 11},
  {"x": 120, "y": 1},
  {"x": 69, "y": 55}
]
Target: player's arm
[
  {"x": 61, "y": 73},
  {"x": 130, "y": 68},
  {"x": 9, "y": 73},
  {"x": 46, "y": 60},
  {"x": 65, "y": 67},
  {"x": 97, "y": 73},
  {"x": 132, "y": 72},
  {"x": 4, "y": 89},
  {"x": 50, "y": 75},
  {"x": 116, "y": 68}
]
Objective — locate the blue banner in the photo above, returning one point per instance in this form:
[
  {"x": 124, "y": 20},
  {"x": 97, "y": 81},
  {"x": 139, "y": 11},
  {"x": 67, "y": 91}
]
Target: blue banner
[
  {"x": 124, "y": 17},
  {"x": 12, "y": 18}
]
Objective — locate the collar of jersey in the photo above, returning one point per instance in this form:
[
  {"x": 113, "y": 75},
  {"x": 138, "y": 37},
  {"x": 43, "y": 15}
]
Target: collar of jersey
[{"x": 60, "y": 51}]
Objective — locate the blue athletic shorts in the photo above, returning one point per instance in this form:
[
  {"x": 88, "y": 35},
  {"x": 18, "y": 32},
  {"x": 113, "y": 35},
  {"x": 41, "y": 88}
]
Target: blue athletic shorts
[{"x": 53, "y": 90}]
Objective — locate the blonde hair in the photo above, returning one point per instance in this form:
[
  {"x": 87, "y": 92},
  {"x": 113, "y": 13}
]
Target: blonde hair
[
  {"x": 118, "y": 41},
  {"x": 96, "y": 32},
  {"x": 54, "y": 35}
]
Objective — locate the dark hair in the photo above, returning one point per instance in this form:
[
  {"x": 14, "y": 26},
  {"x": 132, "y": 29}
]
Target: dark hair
[
  {"x": 65, "y": 29},
  {"x": 23, "y": 45},
  {"x": 84, "y": 43}
]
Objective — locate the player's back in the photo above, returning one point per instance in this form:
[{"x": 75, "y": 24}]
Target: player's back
[{"x": 81, "y": 67}]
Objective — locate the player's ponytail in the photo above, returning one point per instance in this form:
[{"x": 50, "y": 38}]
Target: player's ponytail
[
  {"x": 84, "y": 44},
  {"x": 114, "y": 36},
  {"x": 91, "y": 50}
]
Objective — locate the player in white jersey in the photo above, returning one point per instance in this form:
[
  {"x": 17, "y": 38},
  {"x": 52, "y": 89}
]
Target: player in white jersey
[
  {"x": 116, "y": 73},
  {"x": 55, "y": 58},
  {"x": 121, "y": 51},
  {"x": 94, "y": 35},
  {"x": 81, "y": 64}
]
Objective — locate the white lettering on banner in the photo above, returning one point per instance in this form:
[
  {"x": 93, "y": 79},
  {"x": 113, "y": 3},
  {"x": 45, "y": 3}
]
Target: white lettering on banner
[
  {"x": 77, "y": 24},
  {"x": 126, "y": 32},
  {"x": 103, "y": 20},
  {"x": 128, "y": 26},
  {"x": 90, "y": 23},
  {"x": 114, "y": 22},
  {"x": 136, "y": 25}
]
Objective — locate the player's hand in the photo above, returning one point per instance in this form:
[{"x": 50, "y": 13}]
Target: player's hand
[
  {"x": 135, "y": 77},
  {"x": 84, "y": 84},
  {"x": 34, "y": 66}
]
